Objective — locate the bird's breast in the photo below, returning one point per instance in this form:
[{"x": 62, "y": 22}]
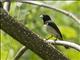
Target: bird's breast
[{"x": 51, "y": 30}]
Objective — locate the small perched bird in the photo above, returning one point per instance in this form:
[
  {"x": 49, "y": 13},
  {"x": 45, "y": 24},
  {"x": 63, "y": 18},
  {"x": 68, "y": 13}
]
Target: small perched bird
[{"x": 52, "y": 27}]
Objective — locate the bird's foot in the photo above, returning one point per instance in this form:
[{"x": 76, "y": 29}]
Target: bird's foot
[{"x": 49, "y": 37}]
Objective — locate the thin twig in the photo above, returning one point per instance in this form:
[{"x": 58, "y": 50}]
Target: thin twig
[
  {"x": 57, "y": 42},
  {"x": 7, "y": 5},
  {"x": 53, "y": 8},
  {"x": 60, "y": 42},
  {"x": 20, "y": 52}
]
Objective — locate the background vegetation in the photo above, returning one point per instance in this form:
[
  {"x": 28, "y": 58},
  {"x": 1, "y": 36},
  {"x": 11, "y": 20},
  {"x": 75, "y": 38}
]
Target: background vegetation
[{"x": 29, "y": 15}]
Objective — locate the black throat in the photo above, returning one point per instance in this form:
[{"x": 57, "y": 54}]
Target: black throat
[{"x": 46, "y": 22}]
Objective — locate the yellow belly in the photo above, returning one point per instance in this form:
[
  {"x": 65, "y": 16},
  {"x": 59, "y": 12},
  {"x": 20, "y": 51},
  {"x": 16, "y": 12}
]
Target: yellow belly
[{"x": 52, "y": 31}]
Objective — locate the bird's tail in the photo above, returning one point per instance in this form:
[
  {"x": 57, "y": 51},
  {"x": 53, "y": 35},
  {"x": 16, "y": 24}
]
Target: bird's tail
[{"x": 67, "y": 47}]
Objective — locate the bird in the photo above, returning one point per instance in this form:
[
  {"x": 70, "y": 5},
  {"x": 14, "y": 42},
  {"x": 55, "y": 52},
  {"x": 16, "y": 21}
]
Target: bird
[{"x": 51, "y": 27}]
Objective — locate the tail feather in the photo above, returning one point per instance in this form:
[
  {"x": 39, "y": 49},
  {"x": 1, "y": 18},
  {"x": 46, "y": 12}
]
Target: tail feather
[{"x": 67, "y": 47}]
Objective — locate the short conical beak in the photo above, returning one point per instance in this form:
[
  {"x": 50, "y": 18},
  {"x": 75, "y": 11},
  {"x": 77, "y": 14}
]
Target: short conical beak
[{"x": 41, "y": 16}]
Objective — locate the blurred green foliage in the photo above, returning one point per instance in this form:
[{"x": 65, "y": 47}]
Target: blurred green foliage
[{"x": 29, "y": 15}]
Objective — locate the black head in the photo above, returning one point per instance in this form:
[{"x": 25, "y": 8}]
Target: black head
[{"x": 45, "y": 18}]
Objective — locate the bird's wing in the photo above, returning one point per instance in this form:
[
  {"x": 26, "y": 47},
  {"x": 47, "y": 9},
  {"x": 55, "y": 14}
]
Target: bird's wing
[{"x": 52, "y": 24}]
